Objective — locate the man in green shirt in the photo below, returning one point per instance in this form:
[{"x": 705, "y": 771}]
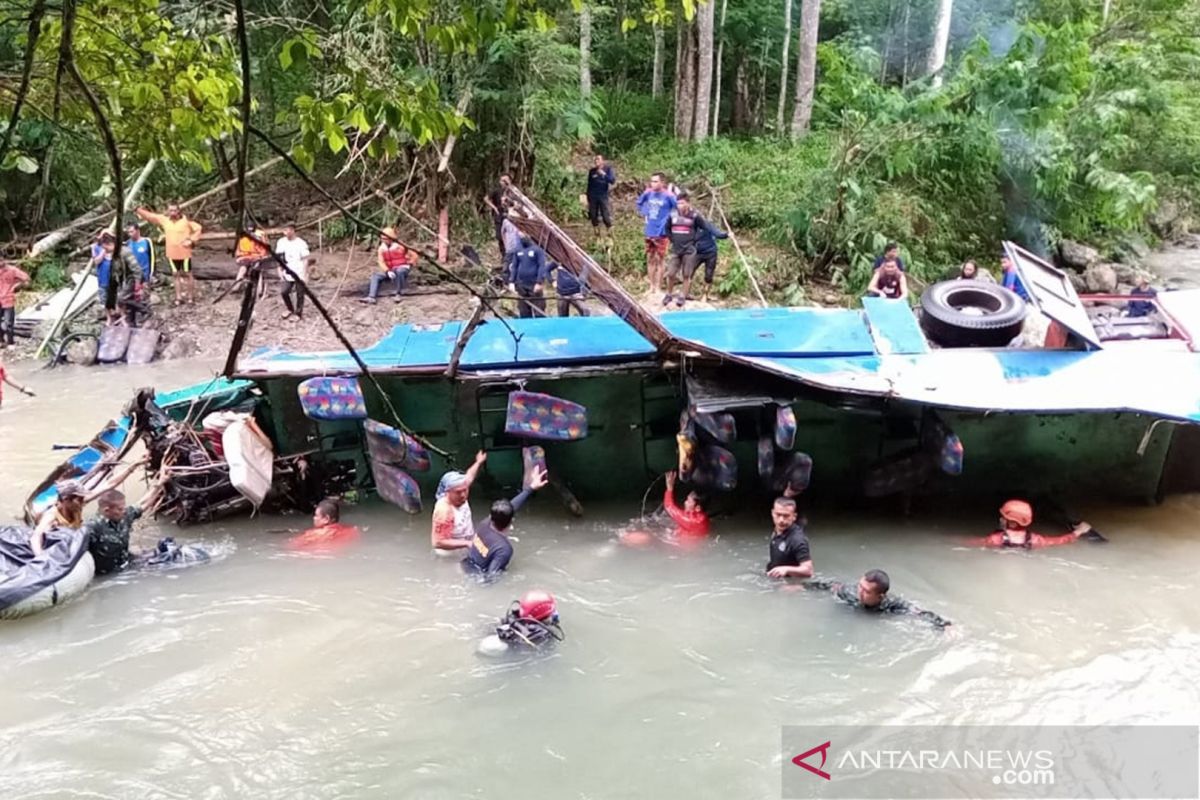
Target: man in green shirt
[{"x": 108, "y": 532}]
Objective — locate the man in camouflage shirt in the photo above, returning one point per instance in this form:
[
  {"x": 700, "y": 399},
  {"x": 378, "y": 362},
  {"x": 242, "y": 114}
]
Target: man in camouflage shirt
[
  {"x": 871, "y": 594},
  {"x": 108, "y": 532}
]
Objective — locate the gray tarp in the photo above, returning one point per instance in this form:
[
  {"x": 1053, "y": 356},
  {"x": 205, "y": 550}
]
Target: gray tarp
[{"x": 22, "y": 574}]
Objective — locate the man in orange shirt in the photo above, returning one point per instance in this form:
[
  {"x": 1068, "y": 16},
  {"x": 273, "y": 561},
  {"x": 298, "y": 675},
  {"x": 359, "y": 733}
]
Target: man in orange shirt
[
  {"x": 251, "y": 249},
  {"x": 181, "y": 235}
]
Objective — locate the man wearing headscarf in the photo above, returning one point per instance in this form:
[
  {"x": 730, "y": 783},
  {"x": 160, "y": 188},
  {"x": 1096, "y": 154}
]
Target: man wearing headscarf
[{"x": 453, "y": 527}]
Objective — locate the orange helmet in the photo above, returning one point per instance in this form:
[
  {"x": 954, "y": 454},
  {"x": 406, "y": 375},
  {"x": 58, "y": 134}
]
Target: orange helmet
[{"x": 1017, "y": 511}]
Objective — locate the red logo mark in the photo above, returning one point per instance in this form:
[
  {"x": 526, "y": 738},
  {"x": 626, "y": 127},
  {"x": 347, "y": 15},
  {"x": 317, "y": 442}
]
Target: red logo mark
[{"x": 818, "y": 771}]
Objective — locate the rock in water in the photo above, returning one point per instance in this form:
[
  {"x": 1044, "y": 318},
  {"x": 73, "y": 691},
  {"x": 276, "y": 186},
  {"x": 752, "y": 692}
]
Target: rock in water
[
  {"x": 1078, "y": 256},
  {"x": 83, "y": 351},
  {"x": 1101, "y": 278},
  {"x": 180, "y": 346}
]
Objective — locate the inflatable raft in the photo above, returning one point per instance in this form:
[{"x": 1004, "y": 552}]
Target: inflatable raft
[{"x": 29, "y": 583}]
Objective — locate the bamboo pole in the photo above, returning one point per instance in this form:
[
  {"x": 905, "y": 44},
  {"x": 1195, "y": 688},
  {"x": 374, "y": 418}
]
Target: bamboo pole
[
  {"x": 66, "y": 311},
  {"x": 741, "y": 255}
]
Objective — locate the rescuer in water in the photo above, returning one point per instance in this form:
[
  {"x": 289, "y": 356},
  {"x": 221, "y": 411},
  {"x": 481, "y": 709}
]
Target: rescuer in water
[
  {"x": 491, "y": 549},
  {"x": 530, "y": 624},
  {"x": 871, "y": 594},
  {"x": 1016, "y": 517},
  {"x": 691, "y": 520}
]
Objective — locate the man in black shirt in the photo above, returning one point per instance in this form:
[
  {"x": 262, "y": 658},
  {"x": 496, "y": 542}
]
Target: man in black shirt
[
  {"x": 599, "y": 179},
  {"x": 789, "y": 555},
  {"x": 871, "y": 594},
  {"x": 891, "y": 251},
  {"x": 490, "y": 549}
]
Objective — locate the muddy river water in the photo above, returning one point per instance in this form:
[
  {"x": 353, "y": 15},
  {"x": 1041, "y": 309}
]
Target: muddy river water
[{"x": 270, "y": 675}]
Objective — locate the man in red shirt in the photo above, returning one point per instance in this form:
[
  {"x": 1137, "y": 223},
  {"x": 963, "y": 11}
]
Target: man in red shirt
[
  {"x": 11, "y": 279},
  {"x": 5, "y": 379},
  {"x": 689, "y": 520},
  {"x": 1016, "y": 516}
]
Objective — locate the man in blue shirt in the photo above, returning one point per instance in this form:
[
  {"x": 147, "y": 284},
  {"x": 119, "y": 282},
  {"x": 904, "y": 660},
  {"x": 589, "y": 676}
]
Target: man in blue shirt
[
  {"x": 1012, "y": 281},
  {"x": 569, "y": 289},
  {"x": 526, "y": 276},
  {"x": 102, "y": 261},
  {"x": 599, "y": 179},
  {"x": 142, "y": 249},
  {"x": 1141, "y": 308},
  {"x": 656, "y": 205}
]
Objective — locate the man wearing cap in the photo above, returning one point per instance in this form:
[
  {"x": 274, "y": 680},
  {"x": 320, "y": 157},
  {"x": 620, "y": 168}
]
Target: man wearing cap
[
  {"x": 394, "y": 261},
  {"x": 453, "y": 529},
  {"x": 67, "y": 512}
]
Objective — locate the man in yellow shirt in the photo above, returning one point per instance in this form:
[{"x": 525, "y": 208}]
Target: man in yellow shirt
[{"x": 181, "y": 235}]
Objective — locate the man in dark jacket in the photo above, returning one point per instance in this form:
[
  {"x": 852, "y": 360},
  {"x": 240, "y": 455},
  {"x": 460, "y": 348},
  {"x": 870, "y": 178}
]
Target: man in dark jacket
[
  {"x": 569, "y": 290},
  {"x": 706, "y": 254},
  {"x": 527, "y": 273},
  {"x": 599, "y": 179},
  {"x": 683, "y": 227}
]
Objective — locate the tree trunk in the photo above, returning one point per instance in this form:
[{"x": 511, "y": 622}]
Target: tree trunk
[
  {"x": 705, "y": 15},
  {"x": 716, "y": 114},
  {"x": 907, "y": 16},
  {"x": 685, "y": 71},
  {"x": 1107, "y": 10},
  {"x": 741, "y": 94},
  {"x": 806, "y": 66},
  {"x": 783, "y": 70},
  {"x": 31, "y": 39},
  {"x": 941, "y": 41},
  {"x": 585, "y": 51},
  {"x": 656, "y": 81}
]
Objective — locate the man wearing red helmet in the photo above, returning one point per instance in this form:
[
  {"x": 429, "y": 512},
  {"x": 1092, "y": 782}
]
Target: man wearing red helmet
[
  {"x": 531, "y": 622},
  {"x": 1016, "y": 516}
]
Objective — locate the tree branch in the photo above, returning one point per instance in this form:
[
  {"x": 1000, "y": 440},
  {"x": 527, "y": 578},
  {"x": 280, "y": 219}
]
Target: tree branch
[{"x": 35, "y": 32}]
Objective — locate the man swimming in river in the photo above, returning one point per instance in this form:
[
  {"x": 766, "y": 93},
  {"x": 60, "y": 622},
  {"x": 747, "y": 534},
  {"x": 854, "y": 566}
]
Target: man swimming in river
[
  {"x": 1016, "y": 516},
  {"x": 871, "y": 594},
  {"x": 108, "y": 532},
  {"x": 789, "y": 555},
  {"x": 491, "y": 550}
]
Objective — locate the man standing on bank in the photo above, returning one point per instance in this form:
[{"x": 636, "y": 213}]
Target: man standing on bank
[{"x": 600, "y": 178}]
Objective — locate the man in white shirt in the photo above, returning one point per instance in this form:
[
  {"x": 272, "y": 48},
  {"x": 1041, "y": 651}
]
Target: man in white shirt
[{"x": 294, "y": 252}]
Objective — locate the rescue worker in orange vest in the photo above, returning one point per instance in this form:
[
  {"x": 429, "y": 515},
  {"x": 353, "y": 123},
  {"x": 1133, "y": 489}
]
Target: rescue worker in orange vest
[{"x": 1016, "y": 517}]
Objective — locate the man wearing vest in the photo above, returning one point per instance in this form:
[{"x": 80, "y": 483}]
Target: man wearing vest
[{"x": 394, "y": 261}]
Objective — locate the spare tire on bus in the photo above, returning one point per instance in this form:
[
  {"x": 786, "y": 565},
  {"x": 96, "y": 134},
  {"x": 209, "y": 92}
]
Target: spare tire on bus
[{"x": 971, "y": 314}]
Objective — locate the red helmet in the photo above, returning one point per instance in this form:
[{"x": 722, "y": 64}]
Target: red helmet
[
  {"x": 536, "y": 604},
  {"x": 1017, "y": 511}
]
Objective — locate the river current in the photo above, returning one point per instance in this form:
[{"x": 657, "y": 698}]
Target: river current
[{"x": 267, "y": 674}]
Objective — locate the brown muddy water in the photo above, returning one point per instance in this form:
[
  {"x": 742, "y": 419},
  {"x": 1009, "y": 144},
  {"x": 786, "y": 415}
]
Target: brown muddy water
[{"x": 271, "y": 675}]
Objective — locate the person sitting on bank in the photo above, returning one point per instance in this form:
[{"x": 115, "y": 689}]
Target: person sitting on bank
[
  {"x": 892, "y": 252},
  {"x": 1141, "y": 308},
  {"x": 691, "y": 520},
  {"x": 527, "y": 274},
  {"x": 453, "y": 528},
  {"x": 569, "y": 290},
  {"x": 491, "y": 549},
  {"x": 889, "y": 282},
  {"x": 871, "y": 594},
  {"x": 789, "y": 555},
  {"x": 394, "y": 262},
  {"x": 1016, "y": 517}
]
